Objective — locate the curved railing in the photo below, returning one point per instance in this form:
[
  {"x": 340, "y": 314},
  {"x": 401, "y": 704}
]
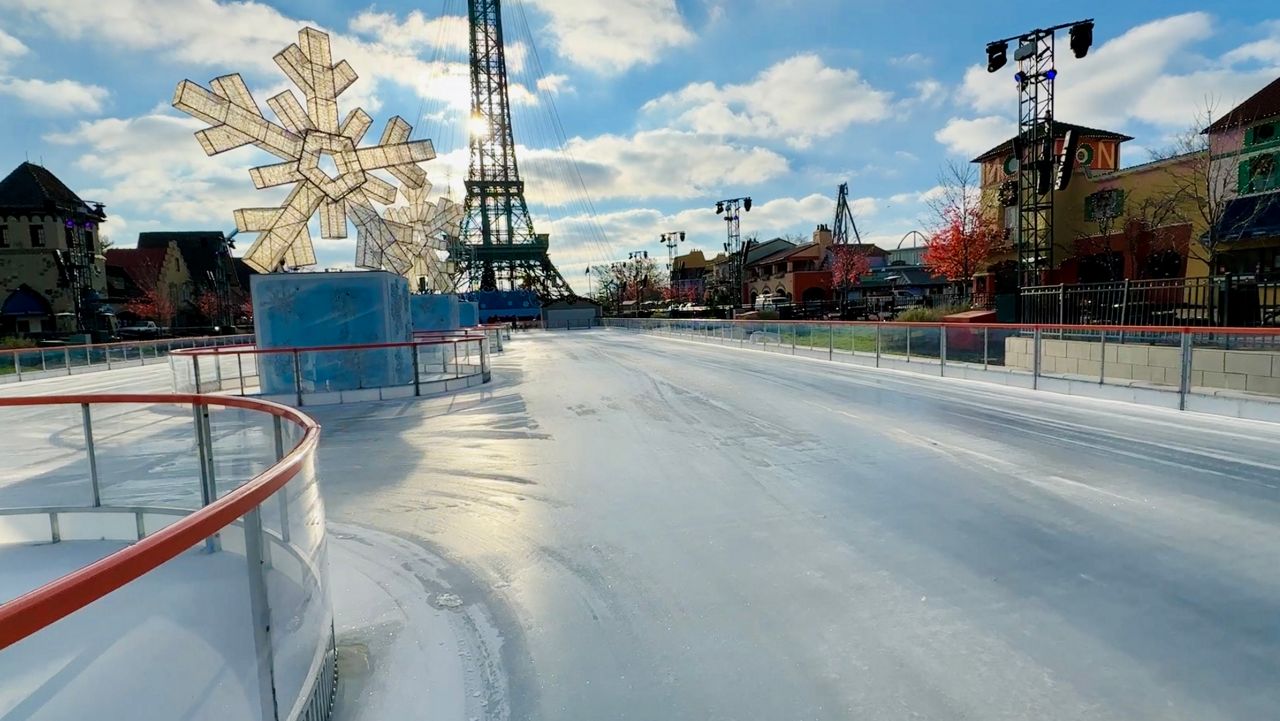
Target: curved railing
[
  {"x": 321, "y": 375},
  {"x": 209, "y": 593},
  {"x": 20, "y": 364}
]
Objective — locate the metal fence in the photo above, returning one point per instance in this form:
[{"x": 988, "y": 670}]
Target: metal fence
[
  {"x": 1217, "y": 301},
  {"x": 337, "y": 374},
  {"x": 185, "y": 539},
  {"x": 23, "y": 364},
  {"x": 1230, "y": 371}
]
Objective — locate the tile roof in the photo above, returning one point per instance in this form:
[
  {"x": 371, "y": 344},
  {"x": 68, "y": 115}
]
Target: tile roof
[
  {"x": 199, "y": 250},
  {"x": 1261, "y": 105},
  {"x": 33, "y": 187},
  {"x": 142, "y": 265},
  {"x": 1060, "y": 128}
]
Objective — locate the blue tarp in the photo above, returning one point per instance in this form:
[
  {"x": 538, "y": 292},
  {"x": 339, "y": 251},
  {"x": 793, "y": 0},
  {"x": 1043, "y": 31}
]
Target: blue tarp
[{"x": 505, "y": 304}]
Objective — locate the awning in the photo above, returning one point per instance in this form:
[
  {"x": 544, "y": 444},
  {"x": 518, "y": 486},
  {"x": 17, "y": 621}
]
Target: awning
[
  {"x": 1253, "y": 216},
  {"x": 25, "y": 302}
]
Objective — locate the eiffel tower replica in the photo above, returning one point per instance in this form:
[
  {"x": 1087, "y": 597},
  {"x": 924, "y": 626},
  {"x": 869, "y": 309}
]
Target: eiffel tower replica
[{"x": 498, "y": 248}]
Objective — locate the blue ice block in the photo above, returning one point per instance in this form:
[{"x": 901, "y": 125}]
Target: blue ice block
[
  {"x": 469, "y": 314},
  {"x": 434, "y": 312},
  {"x": 300, "y": 310}
]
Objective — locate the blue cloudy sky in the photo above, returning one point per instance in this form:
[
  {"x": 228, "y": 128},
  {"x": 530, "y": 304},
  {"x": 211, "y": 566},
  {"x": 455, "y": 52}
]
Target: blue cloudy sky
[{"x": 667, "y": 105}]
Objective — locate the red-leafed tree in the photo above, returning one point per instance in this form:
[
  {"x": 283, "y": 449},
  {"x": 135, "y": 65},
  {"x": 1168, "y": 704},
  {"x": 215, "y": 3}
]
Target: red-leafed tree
[
  {"x": 965, "y": 237},
  {"x": 963, "y": 243},
  {"x": 848, "y": 264},
  {"x": 151, "y": 304},
  {"x": 210, "y": 306}
]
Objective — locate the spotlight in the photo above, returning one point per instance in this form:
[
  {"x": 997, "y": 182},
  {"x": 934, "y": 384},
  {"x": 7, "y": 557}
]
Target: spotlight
[
  {"x": 1082, "y": 38},
  {"x": 1051, "y": 73},
  {"x": 997, "y": 56},
  {"x": 746, "y": 205},
  {"x": 719, "y": 208},
  {"x": 1029, "y": 48}
]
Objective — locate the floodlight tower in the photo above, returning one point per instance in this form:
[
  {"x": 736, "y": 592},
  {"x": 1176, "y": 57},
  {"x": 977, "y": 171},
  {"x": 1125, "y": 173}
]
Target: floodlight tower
[
  {"x": 672, "y": 240},
  {"x": 731, "y": 209},
  {"x": 1033, "y": 147}
]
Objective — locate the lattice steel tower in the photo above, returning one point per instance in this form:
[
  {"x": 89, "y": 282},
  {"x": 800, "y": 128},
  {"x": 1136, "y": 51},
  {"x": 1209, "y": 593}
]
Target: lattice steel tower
[{"x": 498, "y": 249}]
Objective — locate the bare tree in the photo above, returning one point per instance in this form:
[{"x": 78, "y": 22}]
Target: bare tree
[
  {"x": 1205, "y": 183},
  {"x": 959, "y": 193}
]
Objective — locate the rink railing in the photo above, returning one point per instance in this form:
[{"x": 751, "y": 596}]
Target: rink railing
[
  {"x": 495, "y": 332},
  {"x": 24, "y": 364},
  {"x": 245, "y": 497},
  {"x": 321, "y": 375},
  {"x": 1228, "y": 371}
]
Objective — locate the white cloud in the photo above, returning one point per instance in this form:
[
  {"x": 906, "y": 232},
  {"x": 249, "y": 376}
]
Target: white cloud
[
  {"x": 1138, "y": 76},
  {"x": 799, "y": 99},
  {"x": 556, "y": 84},
  {"x": 245, "y": 36},
  {"x": 414, "y": 31},
  {"x": 911, "y": 60},
  {"x": 152, "y": 162},
  {"x": 972, "y": 136},
  {"x": 572, "y": 248},
  {"x": 929, "y": 92},
  {"x": 614, "y": 35},
  {"x": 58, "y": 97},
  {"x": 10, "y": 47}
]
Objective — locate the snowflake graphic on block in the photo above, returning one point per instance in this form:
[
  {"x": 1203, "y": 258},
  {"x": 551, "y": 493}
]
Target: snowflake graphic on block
[
  {"x": 432, "y": 224},
  {"x": 302, "y": 139}
]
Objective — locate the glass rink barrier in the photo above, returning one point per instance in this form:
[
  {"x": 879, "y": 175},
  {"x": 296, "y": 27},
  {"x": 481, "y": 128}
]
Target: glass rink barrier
[
  {"x": 25, "y": 364},
  {"x": 1225, "y": 371},
  {"x": 325, "y": 375},
  {"x": 497, "y": 333},
  {"x": 162, "y": 557}
]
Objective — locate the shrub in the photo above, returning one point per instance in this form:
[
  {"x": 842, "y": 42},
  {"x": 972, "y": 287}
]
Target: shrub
[
  {"x": 928, "y": 315},
  {"x": 10, "y": 343}
]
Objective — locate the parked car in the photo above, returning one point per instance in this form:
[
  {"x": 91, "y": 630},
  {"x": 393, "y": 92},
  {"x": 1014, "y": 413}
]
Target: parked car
[{"x": 142, "y": 330}]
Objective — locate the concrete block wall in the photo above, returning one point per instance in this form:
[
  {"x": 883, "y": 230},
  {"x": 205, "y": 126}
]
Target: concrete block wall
[{"x": 1236, "y": 370}]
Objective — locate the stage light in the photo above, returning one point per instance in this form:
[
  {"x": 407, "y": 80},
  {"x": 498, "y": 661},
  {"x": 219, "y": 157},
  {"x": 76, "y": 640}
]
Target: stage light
[
  {"x": 719, "y": 208},
  {"x": 1027, "y": 50},
  {"x": 1051, "y": 73},
  {"x": 746, "y": 205},
  {"x": 1082, "y": 38},
  {"x": 997, "y": 56}
]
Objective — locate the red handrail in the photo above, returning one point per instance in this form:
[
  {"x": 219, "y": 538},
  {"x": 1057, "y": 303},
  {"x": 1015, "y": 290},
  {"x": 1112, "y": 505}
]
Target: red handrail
[
  {"x": 153, "y": 341},
  {"x": 1194, "y": 329},
  {"x": 254, "y": 350},
  {"x": 37, "y": 609}
]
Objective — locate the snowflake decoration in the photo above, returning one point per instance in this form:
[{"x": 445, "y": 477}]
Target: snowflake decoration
[
  {"x": 432, "y": 225},
  {"x": 302, "y": 138}
]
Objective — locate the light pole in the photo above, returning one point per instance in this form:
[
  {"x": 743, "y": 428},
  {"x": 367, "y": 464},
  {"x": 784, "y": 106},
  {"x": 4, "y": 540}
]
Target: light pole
[
  {"x": 635, "y": 257},
  {"x": 1033, "y": 147},
  {"x": 671, "y": 240},
  {"x": 730, "y": 209}
]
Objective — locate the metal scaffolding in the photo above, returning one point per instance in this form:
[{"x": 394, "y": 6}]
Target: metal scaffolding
[{"x": 498, "y": 248}]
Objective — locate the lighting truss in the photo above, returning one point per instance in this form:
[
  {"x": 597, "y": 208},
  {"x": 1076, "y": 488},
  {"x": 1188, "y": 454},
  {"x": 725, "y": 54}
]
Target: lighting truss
[{"x": 301, "y": 139}]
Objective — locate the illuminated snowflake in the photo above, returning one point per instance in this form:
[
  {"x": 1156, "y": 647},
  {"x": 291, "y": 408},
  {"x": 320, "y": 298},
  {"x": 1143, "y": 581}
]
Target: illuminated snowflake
[
  {"x": 303, "y": 139},
  {"x": 432, "y": 225}
]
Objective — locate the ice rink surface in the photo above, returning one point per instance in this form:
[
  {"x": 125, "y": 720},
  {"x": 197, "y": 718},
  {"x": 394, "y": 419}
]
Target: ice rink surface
[
  {"x": 630, "y": 527},
  {"x": 668, "y": 530}
]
